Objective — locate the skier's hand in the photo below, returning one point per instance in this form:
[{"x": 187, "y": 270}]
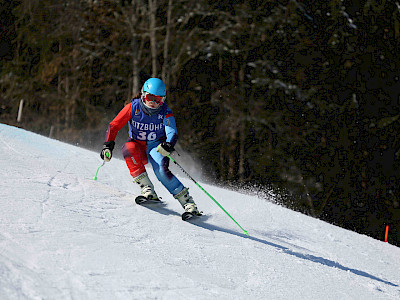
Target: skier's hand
[
  {"x": 165, "y": 148},
  {"x": 106, "y": 152}
]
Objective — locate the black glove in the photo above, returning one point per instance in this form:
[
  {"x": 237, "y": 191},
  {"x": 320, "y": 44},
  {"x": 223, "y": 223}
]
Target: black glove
[
  {"x": 165, "y": 148},
  {"x": 106, "y": 152}
]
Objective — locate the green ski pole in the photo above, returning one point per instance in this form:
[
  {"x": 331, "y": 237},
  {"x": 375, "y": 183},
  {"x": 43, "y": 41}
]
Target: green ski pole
[
  {"x": 212, "y": 198},
  {"x": 95, "y": 176}
]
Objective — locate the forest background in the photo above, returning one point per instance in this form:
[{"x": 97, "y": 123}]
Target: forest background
[{"x": 298, "y": 96}]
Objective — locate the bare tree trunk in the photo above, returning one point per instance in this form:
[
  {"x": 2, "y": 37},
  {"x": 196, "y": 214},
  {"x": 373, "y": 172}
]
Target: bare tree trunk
[
  {"x": 73, "y": 109},
  {"x": 59, "y": 106},
  {"x": 165, "y": 75},
  {"x": 241, "y": 155},
  {"x": 222, "y": 162},
  {"x": 153, "y": 40},
  {"x": 324, "y": 202},
  {"x": 74, "y": 100},
  {"x": 309, "y": 199},
  {"x": 132, "y": 15},
  {"x": 231, "y": 153},
  {"x": 242, "y": 126},
  {"x": 21, "y": 105},
  {"x": 67, "y": 112},
  {"x": 135, "y": 70}
]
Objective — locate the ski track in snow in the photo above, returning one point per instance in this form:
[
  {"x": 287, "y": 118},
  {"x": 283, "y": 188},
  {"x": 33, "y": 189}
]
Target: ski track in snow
[{"x": 65, "y": 236}]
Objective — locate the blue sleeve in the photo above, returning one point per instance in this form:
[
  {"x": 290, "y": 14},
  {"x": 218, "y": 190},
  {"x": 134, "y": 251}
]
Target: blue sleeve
[{"x": 170, "y": 128}]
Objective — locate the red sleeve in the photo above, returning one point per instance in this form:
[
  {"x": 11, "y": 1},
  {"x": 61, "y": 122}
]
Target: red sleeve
[{"x": 119, "y": 121}]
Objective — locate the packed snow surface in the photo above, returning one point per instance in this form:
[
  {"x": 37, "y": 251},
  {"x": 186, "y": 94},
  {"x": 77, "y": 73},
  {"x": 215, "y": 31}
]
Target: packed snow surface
[{"x": 65, "y": 236}]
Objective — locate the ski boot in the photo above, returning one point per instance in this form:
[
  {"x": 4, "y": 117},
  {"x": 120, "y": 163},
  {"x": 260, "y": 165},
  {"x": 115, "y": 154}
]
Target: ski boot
[
  {"x": 188, "y": 204},
  {"x": 147, "y": 192}
]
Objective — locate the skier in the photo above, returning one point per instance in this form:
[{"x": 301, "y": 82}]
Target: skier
[{"x": 152, "y": 137}]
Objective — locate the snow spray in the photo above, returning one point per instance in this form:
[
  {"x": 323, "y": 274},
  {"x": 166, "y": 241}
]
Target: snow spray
[{"x": 212, "y": 198}]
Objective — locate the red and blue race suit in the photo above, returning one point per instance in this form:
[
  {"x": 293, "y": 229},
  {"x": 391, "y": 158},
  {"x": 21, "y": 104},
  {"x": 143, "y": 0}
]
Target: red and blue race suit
[{"x": 146, "y": 132}]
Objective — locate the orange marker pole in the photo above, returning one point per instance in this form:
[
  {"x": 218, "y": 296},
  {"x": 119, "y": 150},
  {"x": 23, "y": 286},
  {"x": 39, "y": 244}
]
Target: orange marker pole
[{"x": 386, "y": 233}]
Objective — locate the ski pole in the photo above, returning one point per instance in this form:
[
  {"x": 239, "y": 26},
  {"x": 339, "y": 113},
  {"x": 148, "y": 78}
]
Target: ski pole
[
  {"x": 95, "y": 176},
  {"x": 212, "y": 198}
]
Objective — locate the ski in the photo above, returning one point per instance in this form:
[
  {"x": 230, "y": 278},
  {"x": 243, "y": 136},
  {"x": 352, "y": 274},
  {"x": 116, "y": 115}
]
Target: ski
[
  {"x": 143, "y": 200},
  {"x": 188, "y": 215},
  {"x": 185, "y": 216}
]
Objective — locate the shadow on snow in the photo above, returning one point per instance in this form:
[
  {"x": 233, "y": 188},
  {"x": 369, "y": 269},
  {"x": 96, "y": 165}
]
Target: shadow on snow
[
  {"x": 161, "y": 208},
  {"x": 309, "y": 257}
]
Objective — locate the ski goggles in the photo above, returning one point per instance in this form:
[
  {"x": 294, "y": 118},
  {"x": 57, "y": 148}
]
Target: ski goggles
[{"x": 153, "y": 98}]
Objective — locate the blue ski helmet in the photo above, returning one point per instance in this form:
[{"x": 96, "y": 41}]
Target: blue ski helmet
[{"x": 155, "y": 86}]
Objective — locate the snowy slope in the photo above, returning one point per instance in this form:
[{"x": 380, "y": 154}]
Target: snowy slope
[{"x": 65, "y": 236}]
